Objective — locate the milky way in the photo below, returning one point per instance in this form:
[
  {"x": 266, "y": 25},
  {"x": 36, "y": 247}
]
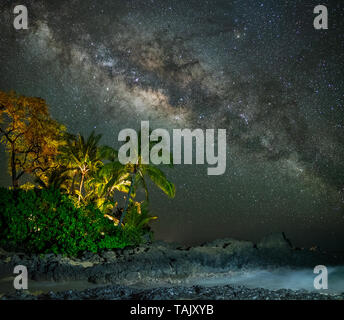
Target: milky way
[{"x": 256, "y": 68}]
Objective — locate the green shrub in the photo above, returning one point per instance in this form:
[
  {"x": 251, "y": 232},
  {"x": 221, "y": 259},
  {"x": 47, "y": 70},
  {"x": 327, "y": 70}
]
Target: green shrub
[
  {"x": 137, "y": 220},
  {"x": 44, "y": 221}
]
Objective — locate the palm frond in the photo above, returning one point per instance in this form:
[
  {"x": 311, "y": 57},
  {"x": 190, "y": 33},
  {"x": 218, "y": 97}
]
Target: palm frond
[{"x": 160, "y": 180}]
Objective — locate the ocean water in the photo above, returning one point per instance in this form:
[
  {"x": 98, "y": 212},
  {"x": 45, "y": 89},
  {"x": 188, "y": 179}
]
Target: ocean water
[
  {"x": 273, "y": 279},
  {"x": 280, "y": 278}
]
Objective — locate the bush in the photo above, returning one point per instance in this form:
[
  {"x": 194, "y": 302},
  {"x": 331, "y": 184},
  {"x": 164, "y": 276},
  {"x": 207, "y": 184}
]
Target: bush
[
  {"x": 136, "y": 222},
  {"x": 44, "y": 221}
]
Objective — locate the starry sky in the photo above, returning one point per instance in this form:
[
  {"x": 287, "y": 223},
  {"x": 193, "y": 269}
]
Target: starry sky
[{"x": 256, "y": 68}]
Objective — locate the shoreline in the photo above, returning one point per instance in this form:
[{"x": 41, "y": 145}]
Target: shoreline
[
  {"x": 150, "y": 271},
  {"x": 226, "y": 292}
]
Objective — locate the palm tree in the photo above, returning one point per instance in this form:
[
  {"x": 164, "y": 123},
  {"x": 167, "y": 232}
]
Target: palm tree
[
  {"x": 102, "y": 185},
  {"x": 139, "y": 216},
  {"x": 83, "y": 157},
  {"x": 138, "y": 174}
]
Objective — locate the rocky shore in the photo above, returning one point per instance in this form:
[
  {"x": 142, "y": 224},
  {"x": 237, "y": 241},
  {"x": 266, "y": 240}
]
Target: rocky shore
[
  {"x": 165, "y": 270},
  {"x": 225, "y": 292}
]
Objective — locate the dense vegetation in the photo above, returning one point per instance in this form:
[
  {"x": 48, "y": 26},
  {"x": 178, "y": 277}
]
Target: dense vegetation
[{"x": 69, "y": 206}]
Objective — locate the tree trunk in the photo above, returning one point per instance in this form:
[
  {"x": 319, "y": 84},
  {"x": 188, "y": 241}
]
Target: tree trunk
[
  {"x": 81, "y": 184},
  {"x": 71, "y": 190},
  {"x": 15, "y": 182},
  {"x": 127, "y": 200}
]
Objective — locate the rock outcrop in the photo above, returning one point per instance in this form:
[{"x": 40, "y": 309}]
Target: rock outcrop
[{"x": 168, "y": 262}]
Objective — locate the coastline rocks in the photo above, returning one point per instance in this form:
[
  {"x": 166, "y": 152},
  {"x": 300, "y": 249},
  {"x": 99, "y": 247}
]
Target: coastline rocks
[
  {"x": 163, "y": 262},
  {"x": 226, "y": 292}
]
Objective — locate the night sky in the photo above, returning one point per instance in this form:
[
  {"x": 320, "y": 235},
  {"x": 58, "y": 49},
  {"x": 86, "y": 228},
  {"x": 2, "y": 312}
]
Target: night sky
[{"x": 256, "y": 68}]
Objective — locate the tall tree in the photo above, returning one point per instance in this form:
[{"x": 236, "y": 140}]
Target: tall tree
[
  {"x": 83, "y": 157},
  {"x": 30, "y": 135},
  {"x": 101, "y": 187},
  {"x": 139, "y": 172}
]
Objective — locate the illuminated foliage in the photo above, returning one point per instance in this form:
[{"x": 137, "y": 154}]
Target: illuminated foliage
[
  {"x": 30, "y": 136},
  {"x": 82, "y": 157},
  {"x": 45, "y": 221},
  {"x": 71, "y": 207},
  {"x": 139, "y": 172}
]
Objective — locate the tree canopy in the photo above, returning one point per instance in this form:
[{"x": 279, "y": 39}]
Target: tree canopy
[
  {"x": 30, "y": 135},
  {"x": 83, "y": 170}
]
